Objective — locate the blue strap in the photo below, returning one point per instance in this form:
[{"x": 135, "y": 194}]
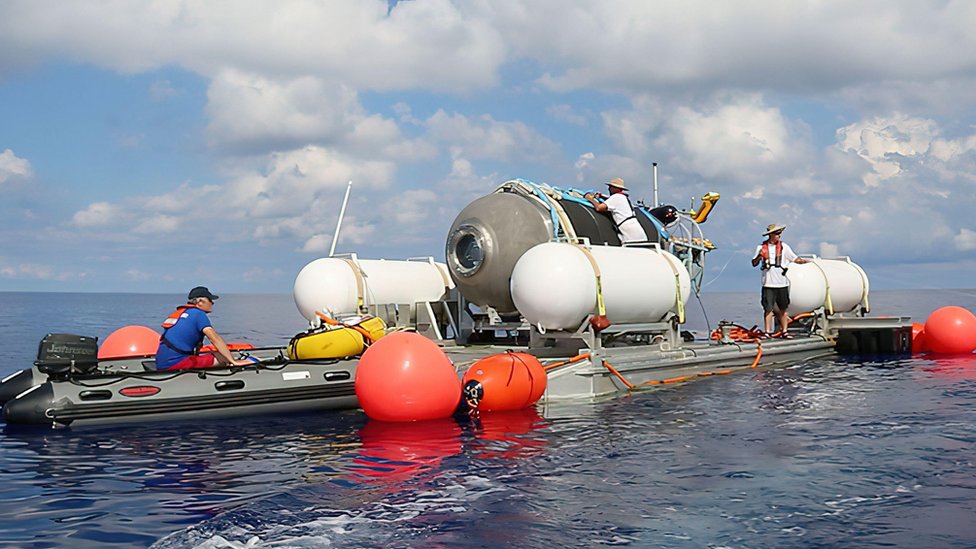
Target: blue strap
[
  {"x": 657, "y": 223},
  {"x": 545, "y": 200}
]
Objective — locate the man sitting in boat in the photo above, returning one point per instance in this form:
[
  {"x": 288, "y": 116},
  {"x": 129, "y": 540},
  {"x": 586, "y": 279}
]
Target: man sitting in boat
[
  {"x": 183, "y": 333},
  {"x": 774, "y": 257},
  {"x": 621, "y": 210}
]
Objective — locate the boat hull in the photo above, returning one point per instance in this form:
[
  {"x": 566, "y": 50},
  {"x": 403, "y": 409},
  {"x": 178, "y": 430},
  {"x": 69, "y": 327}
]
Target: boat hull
[{"x": 124, "y": 396}]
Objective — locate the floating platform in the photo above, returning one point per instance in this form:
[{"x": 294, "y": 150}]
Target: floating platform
[{"x": 585, "y": 365}]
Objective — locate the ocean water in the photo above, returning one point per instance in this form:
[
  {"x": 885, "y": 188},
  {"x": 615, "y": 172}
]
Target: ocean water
[{"x": 840, "y": 452}]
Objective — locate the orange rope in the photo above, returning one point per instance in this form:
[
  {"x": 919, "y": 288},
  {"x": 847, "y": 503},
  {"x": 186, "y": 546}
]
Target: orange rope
[
  {"x": 758, "y": 356},
  {"x": 630, "y": 385},
  {"x": 576, "y": 358},
  {"x": 333, "y": 322},
  {"x": 616, "y": 373}
]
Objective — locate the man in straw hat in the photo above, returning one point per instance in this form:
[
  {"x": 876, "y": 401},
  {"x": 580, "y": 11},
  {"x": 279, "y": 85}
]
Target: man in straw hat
[
  {"x": 774, "y": 257},
  {"x": 622, "y": 212}
]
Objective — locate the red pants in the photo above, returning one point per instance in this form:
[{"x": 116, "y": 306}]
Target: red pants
[{"x": 194, "y": 362}]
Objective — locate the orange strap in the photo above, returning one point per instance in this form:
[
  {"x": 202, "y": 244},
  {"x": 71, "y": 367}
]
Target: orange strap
[{"x": 333, "y": 322}]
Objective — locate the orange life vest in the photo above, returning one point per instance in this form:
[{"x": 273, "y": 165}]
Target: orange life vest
[
  {"x": 175, "y": 315},
  {"x": 778, "y": 262},
  {"x": 170, "y": 322}
]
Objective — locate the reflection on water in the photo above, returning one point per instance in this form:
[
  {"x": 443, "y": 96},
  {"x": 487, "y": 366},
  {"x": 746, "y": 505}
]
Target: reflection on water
[{"x": 398, "y": 451}]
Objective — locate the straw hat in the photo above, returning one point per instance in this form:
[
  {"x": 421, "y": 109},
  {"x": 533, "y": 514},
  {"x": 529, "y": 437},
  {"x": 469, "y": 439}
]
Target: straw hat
[
  {"x": 618, "y": 183},
  {"x": 772, "y": 228}
]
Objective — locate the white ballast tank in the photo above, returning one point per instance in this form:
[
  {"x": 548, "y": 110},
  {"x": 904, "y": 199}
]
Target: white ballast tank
[
  {"x": 340, "y": 285},
  {"x": 554, "y": 284},
  {"x": 838, "y": 284}
]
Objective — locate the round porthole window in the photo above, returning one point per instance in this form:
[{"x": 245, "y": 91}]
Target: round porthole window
[{"x": 466, "y": 250}]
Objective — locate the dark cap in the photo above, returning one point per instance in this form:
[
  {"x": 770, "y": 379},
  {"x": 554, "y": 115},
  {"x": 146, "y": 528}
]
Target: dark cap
[{"x": 201, "y": 291}]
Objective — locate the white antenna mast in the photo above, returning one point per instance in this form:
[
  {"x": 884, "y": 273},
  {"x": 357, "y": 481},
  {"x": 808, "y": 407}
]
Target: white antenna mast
[
  {"x": 654, "y": 164},
  {"x": 342, "y": 212}
]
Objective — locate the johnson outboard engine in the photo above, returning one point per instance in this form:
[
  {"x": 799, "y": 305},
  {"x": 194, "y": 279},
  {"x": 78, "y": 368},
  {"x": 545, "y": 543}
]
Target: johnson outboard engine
[{"x": 61, "y": 355}]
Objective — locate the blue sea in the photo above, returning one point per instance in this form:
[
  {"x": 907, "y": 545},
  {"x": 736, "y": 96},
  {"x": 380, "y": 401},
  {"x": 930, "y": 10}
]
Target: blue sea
[{"x": 838, "y": 452}]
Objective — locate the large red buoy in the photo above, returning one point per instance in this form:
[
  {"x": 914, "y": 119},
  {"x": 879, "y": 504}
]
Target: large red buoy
[
  {"x": 919, "y": 345},
  {"x": 506, "y": 381},
  {"x": 128, "y": 342},
  {"x": 951, "y": 330},
  {"x": 406, "y": 377}
]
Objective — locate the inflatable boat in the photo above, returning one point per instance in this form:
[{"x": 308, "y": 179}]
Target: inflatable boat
[
  {"x": 74, "y": 381},
  {"x": 133, "y": 390}
]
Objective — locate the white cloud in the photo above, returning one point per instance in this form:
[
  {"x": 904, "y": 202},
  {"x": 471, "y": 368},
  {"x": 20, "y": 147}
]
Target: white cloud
[
  {"x": 413, "y": 207},
  {"x": 302, "y": 181},
  {"x": 486, "y": 138},
  {"x": 250, "y": 112},
  {"x": 418, "y": 44},
  {"x": 740, "y": 139},
  {"x": 827, "y": 45},
  {"x": 161, "y": 90},
  {"x": 881, "y": 140},
  {"x": 12, "y": 166},
  {"x": 318, "y": 243},
  {"x": 829, "y": 250},
  {"x": 247, "y": 110},
  {"x": 98, "y": 214},
  {"x": 567, "y": 113},
  {"x": 965, "y": 240},
  {"x": 158, "y": 224},
  {"x": 36, "y": 271}
]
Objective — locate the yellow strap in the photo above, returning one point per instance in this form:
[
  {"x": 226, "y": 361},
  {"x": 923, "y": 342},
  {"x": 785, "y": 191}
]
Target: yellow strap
[
  {"x": 360, "y": 283},
  {"x": 677, "y": 295},
  {"x": 677, "y": 288},
  {"x": 600, "y": 308},
  {"x": 828, "y": 302}
]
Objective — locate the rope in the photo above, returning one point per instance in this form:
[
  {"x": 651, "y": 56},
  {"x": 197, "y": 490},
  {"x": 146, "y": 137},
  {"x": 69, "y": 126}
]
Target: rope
[
  {"x": 630, "y": 386},
  {"x": 576, "y": 358},
  {"x": 332, "y": 322}
]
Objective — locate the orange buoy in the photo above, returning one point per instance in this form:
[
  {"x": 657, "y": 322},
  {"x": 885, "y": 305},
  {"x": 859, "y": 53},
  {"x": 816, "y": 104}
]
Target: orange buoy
[
  {"x": 406, "y": 377},
  {"x": 128, "y": 342},
  {"x": 919, "y": 345},
  {"x": 506, "y": 381},
  {"x": 951, "y": 330}
]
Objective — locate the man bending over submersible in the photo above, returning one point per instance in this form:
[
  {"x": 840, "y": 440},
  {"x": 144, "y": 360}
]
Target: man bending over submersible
[
  {"x": 775, "y": 257},
  {"x": 621, "y": 211}
]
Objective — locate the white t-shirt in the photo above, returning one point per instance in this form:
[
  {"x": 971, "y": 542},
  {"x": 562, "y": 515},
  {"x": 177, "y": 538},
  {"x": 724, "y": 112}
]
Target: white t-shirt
[
  {"x": 623, "y": 217},
  {"x": 774, "y": 277}
]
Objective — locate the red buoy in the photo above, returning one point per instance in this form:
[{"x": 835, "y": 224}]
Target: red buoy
[
  {"x": 506, "y": 381},
  {"x": 919, "y": 345},
  {"x": 951, "y": 330},
  {"x": 128, "y": 342},
  {"x": 406, "y": 377}
]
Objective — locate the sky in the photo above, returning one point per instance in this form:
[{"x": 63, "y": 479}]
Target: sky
[{"x": 152, "y": 146}]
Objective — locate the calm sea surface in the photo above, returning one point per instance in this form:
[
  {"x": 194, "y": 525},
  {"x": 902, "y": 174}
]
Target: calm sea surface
[{"x": 828, "y": 453}]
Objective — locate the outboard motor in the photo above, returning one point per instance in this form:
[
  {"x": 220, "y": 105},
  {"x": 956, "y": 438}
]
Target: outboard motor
[{"x": 61, "y": 355}]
